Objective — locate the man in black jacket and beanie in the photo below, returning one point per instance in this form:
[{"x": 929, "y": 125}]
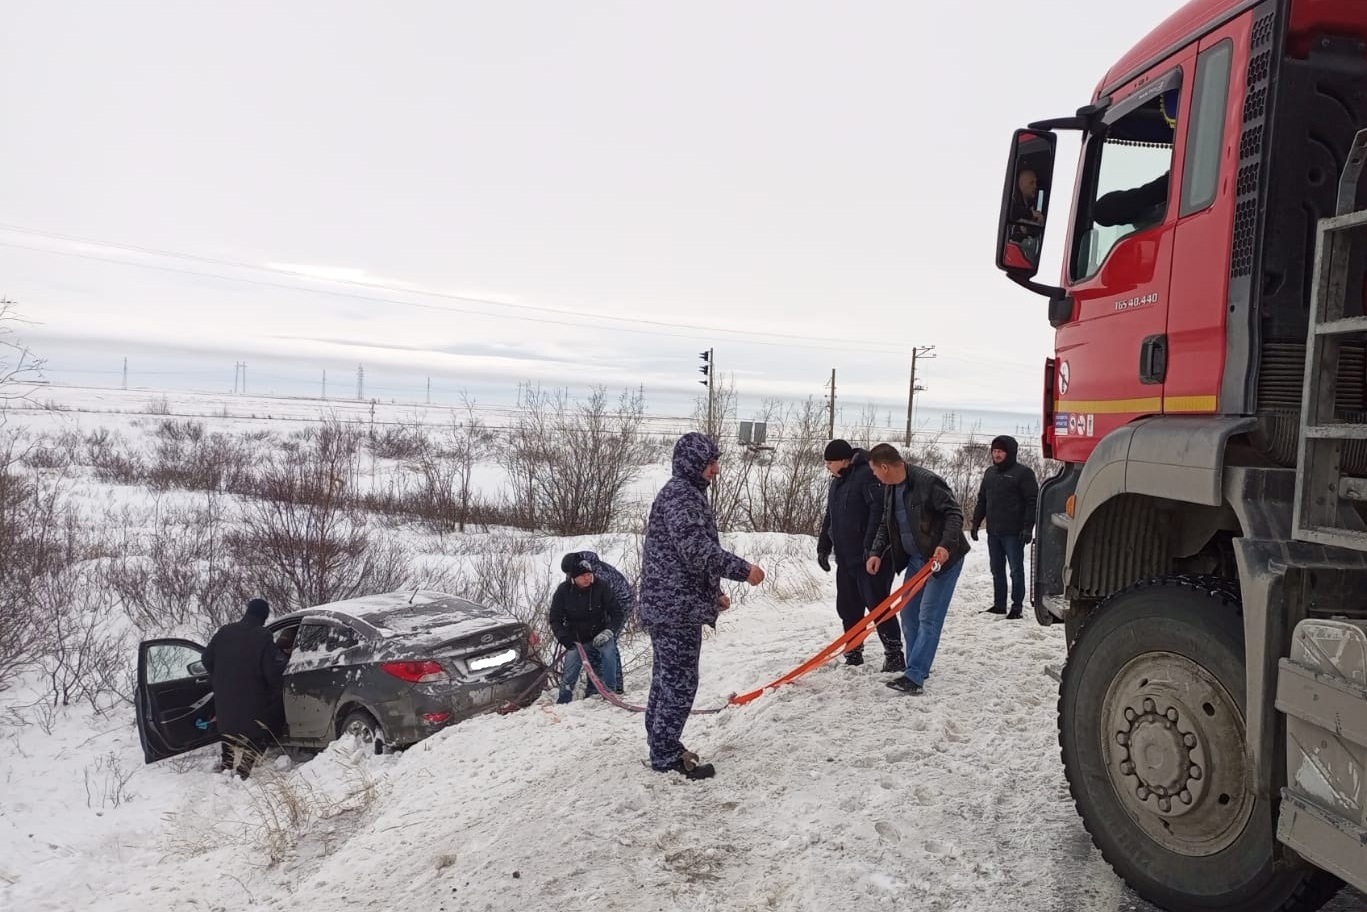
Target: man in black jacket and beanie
[
  {"x": 585, "y": 612},
  {"x": 854, "y": 510},
  {"x": 246, "y": 672},
  {"x": 1006, "y": 499}
]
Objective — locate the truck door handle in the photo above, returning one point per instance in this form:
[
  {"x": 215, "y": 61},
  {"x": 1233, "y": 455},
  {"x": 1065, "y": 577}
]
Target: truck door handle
[{"x": 1153, "y": 359}]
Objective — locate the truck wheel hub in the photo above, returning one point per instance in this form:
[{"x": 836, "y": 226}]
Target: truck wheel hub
[
  {"x": 1163, "y": 762},
  {"x": 1173, "y": 739}
]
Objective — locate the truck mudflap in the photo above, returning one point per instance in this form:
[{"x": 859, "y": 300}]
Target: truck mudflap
[{"x": 1322, "y": 689}]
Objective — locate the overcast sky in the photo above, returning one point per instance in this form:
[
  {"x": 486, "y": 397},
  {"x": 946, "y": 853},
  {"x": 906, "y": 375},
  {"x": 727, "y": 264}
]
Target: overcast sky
[{"x": 802, "y": 186}]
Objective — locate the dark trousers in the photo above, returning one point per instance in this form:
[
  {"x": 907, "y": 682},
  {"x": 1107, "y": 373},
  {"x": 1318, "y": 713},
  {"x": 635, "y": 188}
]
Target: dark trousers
[
  {"x": 673, "y": 685},
  {"x": 1003, "y": 550},
  {"x": 241, "y": 752},
  {"x": 857, "y": 593}
]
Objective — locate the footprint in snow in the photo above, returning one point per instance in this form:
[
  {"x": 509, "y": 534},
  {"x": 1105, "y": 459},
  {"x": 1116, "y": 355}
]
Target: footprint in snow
[
  {"x": 888, "y": 831},
  {"x": 940, "y": 848}
]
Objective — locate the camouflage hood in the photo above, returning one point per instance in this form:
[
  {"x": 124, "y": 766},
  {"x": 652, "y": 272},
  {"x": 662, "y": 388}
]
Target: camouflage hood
[{"x": 692, "y": 453}]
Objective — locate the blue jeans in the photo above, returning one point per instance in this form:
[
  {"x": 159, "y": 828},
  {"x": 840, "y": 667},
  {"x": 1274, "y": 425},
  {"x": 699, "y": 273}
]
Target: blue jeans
[
  {"x": 1001, "y": 550},
  {"x": 617, "y": 638},
  {"x": 604, "y": 661},
  {"x": 924, "y": 616}
]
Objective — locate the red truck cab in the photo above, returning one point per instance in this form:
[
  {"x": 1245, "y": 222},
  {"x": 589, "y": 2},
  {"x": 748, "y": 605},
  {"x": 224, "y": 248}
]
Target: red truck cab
[{"x": 1206, "y": 401}]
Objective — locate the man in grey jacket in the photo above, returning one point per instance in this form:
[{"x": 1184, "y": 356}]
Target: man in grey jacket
[{"x": 922, "y": 521}]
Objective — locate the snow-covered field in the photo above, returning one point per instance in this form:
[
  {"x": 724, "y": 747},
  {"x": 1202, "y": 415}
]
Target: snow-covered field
[{"x": 831, "y": 793}]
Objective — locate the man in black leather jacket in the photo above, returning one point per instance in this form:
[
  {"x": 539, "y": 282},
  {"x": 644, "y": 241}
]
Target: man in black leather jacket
[{"x": 922, "y": 522}]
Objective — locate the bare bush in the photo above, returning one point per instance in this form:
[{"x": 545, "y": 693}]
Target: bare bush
[
  {"x": 160, "y": 405},
  {"x": 106, "y": 782},
  {"x": 178, "y": 575},
  {"x": 401, "y": 440},
  {"x": 60, "y": 452},
  {"x": 40, "y": 535},
  {"x": 787, "y": 492},
  {"x": 570, "y": 464},
  {"x": 964, "y": 473},
  {"x": 187, "y": 457},
  {"x": 774, "y": 488},
  {"x": 83, "y": 653},
  {"x": 305, "y": 542},
  {"x": 18, "y": 366},
  {"x": 113, "y": 462},
  {"x": 468, "y": 439}
]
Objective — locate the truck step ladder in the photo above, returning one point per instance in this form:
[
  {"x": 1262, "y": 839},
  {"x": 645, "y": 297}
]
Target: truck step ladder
[{"x": 1323, "y": 514}]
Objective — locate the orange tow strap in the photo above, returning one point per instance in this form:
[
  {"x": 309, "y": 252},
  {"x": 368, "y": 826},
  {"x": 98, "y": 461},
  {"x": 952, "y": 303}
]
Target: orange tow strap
[{"x": 852, "y": 637}]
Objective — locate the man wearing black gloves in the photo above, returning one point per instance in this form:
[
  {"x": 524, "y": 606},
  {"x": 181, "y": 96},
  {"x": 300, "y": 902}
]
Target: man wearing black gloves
[
  {"x": 585, "y": 612},
  {"x": 1006, "y": 499},
  {"x": 854, "y": 511}
]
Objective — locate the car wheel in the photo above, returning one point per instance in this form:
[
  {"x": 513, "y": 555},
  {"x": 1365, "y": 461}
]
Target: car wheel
[
  {"x": 1151, "y": 722},
  {"x": 362, "y": 726}
]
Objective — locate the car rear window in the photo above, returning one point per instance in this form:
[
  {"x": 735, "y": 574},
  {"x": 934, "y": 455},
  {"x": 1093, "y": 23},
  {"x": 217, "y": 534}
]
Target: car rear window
[
  {"x": 427, "y": 616},
  {"x": 444, "y": 618}
]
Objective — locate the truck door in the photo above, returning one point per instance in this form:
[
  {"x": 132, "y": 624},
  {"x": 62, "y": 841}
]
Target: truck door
[{"x": 1113, "y": 353}]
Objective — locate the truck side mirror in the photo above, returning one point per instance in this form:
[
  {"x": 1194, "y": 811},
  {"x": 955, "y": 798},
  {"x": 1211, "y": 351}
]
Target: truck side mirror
[{"x": 1025, "y": 202}]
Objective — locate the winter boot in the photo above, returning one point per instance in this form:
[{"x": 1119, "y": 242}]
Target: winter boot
[
  {"x": 902, "y": 684},
  {"x": 894, "y": 661},
  {"x": 1014, "y": 615},
  {"x": 690, "y": 768},
  {"x": 995, "y": 610},
  {"x": 855, "y": 657}
]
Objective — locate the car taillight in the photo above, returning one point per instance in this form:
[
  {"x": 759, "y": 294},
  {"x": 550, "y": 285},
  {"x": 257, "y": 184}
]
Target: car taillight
[
  {"x": 416, "y": 672},
  {"x": 533, "y": 639}
]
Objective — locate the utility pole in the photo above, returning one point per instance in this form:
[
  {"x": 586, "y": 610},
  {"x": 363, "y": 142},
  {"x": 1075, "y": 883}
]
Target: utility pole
[
  {"x": 830, "y": 427},
  {"x": 360, "y": 383},
  {"x": 429, "y": 390},
  {"x": 244, "y": 378},
  {"x": 325, "y": 383},
  {"x": 709, "y": 370},
  {"x": 125, "y": 373},
  {"x": 237, "y": 372},
  {"x": 920, "y": 351}
]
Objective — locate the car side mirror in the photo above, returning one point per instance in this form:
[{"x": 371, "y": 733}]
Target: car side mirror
[
  {"x": 197, "y": 669},
  {"x": 1025, "y": 202}
]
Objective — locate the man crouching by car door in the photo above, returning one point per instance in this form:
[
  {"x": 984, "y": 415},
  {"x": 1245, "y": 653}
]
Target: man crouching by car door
[{"x": 246, "y": 671}]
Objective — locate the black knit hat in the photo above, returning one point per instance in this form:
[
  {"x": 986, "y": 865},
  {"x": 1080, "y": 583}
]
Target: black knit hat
[
  {"x": 259, "y": 608},
  {"x": 573, "y": 564},
  {"x": 839, "y": 449}
]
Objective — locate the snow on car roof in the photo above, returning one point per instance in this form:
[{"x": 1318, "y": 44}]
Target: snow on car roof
[{"x": 422, "y": 611}]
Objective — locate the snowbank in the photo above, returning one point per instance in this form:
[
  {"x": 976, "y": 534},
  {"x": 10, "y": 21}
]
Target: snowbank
[{"x": 833, "y": 792}]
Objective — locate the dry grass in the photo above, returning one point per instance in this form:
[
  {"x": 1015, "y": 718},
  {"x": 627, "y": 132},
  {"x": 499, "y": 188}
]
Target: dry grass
[{"x": 284, "y": 809}]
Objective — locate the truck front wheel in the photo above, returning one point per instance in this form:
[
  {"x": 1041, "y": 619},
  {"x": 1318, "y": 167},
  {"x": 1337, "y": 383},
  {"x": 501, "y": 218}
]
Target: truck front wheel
[{"x": 1151, "y": 724}]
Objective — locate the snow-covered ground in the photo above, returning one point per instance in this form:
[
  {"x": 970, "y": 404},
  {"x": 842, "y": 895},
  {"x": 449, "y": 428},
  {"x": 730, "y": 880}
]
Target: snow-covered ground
[{"x": 831, "y": 792}]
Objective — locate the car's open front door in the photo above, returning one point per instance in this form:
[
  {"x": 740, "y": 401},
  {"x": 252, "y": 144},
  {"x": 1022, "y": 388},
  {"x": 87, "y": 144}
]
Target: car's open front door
[{"x": 175, "y": 704}]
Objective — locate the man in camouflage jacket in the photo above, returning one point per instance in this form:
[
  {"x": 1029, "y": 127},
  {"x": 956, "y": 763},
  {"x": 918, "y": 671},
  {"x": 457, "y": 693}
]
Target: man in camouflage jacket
[{"x": 681, "y": 577}]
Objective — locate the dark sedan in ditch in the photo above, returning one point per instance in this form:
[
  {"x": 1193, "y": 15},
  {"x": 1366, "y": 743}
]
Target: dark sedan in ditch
[{"x": 389, "y": 669}]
